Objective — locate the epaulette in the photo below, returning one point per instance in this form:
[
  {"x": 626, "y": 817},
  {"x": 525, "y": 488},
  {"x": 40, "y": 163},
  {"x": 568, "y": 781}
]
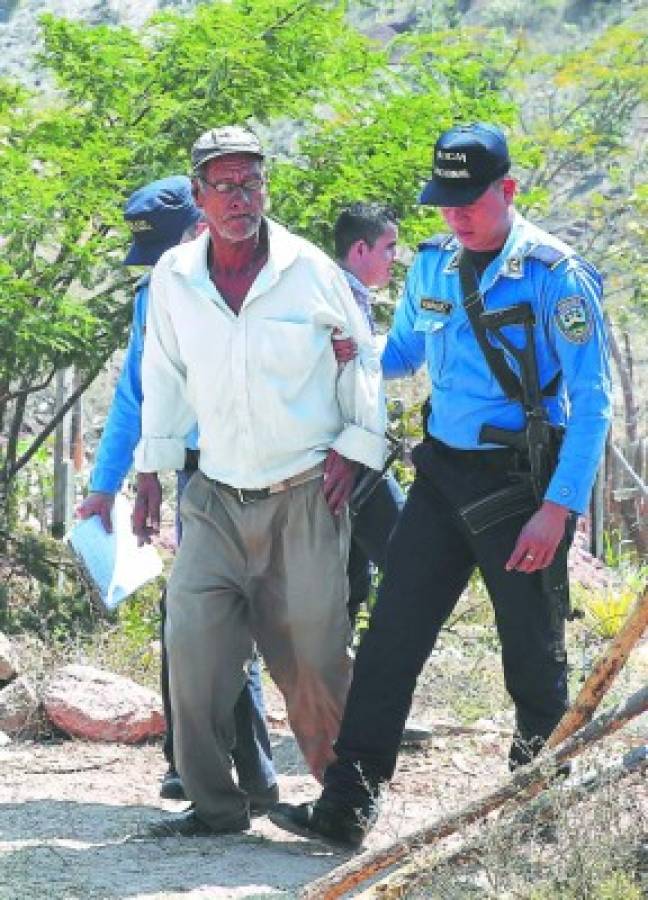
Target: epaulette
[
  {"x": 438, "y": 242},
  {"x": 546, "y": 254}
]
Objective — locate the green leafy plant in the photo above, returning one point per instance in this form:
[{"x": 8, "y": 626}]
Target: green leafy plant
[
  {"x": 605, "y": 612},
  {"x": 41, "y": 591},
  {"x": 139, "y": 616}
]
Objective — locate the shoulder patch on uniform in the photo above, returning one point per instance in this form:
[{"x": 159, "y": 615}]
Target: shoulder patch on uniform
[
  {"x": 574, "y": 319},
  {"x": 546, "y": 254},
  {"x": 437, "y": 242}
]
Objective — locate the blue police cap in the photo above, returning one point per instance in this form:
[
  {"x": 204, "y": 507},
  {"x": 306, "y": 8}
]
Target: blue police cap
[
  {"x": 467, "y": 159},
  {"x": 159, "y": 213}
]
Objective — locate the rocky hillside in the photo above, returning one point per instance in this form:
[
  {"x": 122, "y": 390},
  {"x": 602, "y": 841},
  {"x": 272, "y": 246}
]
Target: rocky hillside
[
  {"x": 555, "y": 21},
  {"x": 19, "y": 24}
]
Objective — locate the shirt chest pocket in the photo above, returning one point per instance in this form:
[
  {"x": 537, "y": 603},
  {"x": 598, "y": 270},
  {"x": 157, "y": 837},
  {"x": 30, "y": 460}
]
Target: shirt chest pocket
[
  {"x": 435, "y": 327},
  {"x": 290, "y": 351}
]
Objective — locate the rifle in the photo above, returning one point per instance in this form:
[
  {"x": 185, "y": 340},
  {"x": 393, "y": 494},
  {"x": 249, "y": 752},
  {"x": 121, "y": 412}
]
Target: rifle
[{"x": 539, "y": 441}]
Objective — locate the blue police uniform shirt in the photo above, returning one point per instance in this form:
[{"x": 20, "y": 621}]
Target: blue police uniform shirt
[
  {"x": 123, "y": 426},
  {"x": 564, "y": 291}
]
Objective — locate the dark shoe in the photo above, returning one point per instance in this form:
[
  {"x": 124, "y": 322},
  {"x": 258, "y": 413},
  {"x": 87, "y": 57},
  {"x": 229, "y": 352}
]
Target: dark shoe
[
  {"x": 415, "y": 734},
  {"x": 187, "y": 824},
  {"x": 324, "y": 819},
  {"x": 523, "y": 752},
  {"x": 171, "y": 787},
  {"x": 263, "y": 801}
]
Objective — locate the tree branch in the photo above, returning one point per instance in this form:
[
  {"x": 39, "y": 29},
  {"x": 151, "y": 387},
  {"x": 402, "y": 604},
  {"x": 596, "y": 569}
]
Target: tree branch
[
  {"x": 627, "y": 388},
  {"x": 527, "y": 783},
  {"x": 13, "y": 395},
  {"x": 282, "y": 20},
  {"x": 45, "y": 433},
  {"x": 14, "y": 434}
]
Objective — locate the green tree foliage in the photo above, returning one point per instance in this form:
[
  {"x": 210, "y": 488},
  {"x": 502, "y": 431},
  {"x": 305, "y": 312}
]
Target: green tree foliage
[
  {"x": 581, "y": 111},
  {"x": 377, "y": 144},
  {"x": 126, "y": 110}
]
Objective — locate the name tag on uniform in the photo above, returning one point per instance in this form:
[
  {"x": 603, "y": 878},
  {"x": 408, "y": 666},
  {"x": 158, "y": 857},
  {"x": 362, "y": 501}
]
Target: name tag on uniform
[{"x": 437, "y": 306}]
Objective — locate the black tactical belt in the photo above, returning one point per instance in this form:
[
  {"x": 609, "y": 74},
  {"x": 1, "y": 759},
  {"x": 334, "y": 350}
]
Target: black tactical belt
[{"x": 487, "y": 455}]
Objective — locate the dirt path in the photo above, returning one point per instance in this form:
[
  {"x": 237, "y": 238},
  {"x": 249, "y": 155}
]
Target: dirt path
[{"x": 69, "y": 810}]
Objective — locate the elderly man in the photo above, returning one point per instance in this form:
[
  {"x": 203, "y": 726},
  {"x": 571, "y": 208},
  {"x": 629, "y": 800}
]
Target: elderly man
[
  {"x": 161, "y": 214},
  {"x": 548, "y": 301},
  {"x": 238, "y": 339}
]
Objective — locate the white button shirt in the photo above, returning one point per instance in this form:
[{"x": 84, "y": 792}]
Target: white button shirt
[{"x": 263, "y": 386}]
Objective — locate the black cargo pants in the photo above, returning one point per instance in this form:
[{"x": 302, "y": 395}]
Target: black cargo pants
[{"x": 430, "y": 558}]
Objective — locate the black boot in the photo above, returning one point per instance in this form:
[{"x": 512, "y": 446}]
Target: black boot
[
  {"x": 326, "y": 818},
  {"x": 523, "y": 751}
]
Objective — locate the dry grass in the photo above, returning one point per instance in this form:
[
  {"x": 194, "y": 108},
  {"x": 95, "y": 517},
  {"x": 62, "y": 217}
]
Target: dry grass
[{"x": 594, "y": 849}]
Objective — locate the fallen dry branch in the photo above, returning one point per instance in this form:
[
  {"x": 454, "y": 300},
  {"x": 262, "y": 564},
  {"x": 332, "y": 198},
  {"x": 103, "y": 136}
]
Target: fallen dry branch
[
  {"x": 524, "y": 785},
  {"x": 398, "y": 883},
  {"x": 603, "y": 673}
]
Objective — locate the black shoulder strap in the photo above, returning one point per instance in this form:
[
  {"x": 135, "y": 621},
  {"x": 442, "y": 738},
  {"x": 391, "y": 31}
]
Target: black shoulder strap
[{"x": 474, "y": 305}]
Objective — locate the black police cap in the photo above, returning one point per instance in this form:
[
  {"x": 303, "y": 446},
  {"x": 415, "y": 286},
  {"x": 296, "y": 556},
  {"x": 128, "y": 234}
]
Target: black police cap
[{"x": 467, "y": 159}]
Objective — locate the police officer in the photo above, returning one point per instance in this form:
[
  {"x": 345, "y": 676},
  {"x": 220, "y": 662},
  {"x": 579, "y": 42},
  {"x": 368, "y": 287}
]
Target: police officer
[
  {"x": 160, "y": 215},
  {"x": 432, "y": 554}
]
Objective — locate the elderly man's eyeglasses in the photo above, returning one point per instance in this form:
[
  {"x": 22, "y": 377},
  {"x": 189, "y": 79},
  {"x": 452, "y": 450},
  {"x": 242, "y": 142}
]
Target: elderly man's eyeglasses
[{"x": 249, "y": 186}]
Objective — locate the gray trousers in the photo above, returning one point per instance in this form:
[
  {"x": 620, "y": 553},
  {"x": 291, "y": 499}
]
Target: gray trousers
[{"x": 270, "y": 572}]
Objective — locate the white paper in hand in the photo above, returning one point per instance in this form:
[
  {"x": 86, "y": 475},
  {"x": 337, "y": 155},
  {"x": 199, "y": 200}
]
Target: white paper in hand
[{"x": 114, "y": 563}]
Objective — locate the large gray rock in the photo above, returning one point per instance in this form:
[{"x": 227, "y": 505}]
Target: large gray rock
[
  {"x": 19, "y": 708},
  {"x": 8, "y": 659},
  {"x": 95, "y": 705}
]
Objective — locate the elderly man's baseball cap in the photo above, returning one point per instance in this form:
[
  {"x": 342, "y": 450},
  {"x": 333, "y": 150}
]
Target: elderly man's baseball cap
[
  {"x": 467, "y": 159},
  {"x": 224, "y": 141},
  {"x": 159, "y": 213}
]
